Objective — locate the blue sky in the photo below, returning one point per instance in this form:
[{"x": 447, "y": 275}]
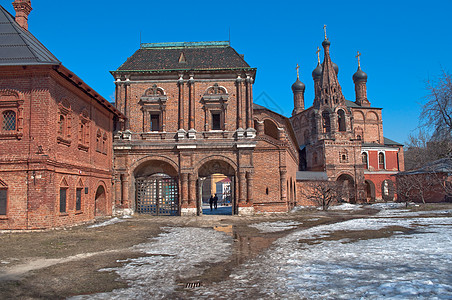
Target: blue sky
[{"x": 403, "y": 43}]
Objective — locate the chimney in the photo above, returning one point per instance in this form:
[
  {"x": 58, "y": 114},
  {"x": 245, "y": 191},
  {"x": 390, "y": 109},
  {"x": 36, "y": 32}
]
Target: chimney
[{"x": 23, "y": 9}]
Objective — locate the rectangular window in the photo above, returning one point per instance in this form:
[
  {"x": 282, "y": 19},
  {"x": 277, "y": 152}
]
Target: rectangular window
[
  {"x": 216, "y": 121},
  {"x": 78, "y": 199},
  {"x": 63, "y": 200},
  {"x": 3, "y": 194},
  {"x": 155, "y": 122}
]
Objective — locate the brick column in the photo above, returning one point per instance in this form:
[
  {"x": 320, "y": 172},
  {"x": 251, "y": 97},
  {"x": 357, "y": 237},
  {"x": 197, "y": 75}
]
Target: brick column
[
  {"x": 191, "y": 106},
  {"x": 126, "y": 101},
  {"x": 125, "y": 191},
  {"x": 180, "y": 83},
  {"x": 118, "y": 189},
  {"x": 238, "y": 83},
  {"x": 249, "y": 104},
  {"x": 191, "y": 190},
  {"x": 242, "y": 187},
  {"x": 283, "y": 183},
  {"x": 184, "y": 189},
  {"x": 249, "y": 187}
]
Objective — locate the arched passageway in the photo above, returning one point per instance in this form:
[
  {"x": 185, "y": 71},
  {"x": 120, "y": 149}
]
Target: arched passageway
[
  {"x": 370, "y": 191},
  {"x": 216, "y": 178},
  {"x": 347, "y": 188},
  {"x": 157, "y": 189},
  {"x": 100, "y": 202}
]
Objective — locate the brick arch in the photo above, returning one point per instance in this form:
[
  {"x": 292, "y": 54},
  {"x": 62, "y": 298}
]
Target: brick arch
[
  {"x": 222, "y": 160},
  {"x": 358, "y": 116},
  {"x": 271, "y": 127},
  {"x": 150, "y": 158},
  {"x": 224, "y": 90},
  {"x": 100, "y": 199},
  {"x": 372, "y": 116},
  {"x": 10, "y": 93}
]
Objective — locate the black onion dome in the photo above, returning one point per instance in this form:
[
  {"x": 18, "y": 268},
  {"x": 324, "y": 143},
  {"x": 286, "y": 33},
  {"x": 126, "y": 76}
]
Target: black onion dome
[
  {"x": 317, "y": 71},
  {"x": 359, "y": 75},
  {"x": 336, "y": 68},
  {"x": 298, "y": 86},
  {"x": 326, "y": 43}
]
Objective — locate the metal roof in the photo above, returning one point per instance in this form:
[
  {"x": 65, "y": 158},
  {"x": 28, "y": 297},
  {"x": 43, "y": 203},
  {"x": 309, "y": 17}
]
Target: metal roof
[
  {"x": 19, "y": 47},
  {"x": 443, "y": 165},
  {"x": 310, "y": 175},
  {"x": 184, "y": 56}
]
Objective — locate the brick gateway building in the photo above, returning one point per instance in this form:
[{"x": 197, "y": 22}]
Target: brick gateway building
[{"x": 191, "y": 115}]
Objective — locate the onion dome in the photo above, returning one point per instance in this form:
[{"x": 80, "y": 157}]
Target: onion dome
[
  {"x": 336, "y": 68},
  {"x": 326, "y": 43},
  {"x": 359, "y": 75},
  {"x": 298, "y": 86},
  {"x": 317, "y": 73}
]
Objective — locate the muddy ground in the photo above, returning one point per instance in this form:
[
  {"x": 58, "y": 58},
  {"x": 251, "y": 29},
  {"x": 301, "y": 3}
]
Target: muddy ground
[{"x": 56, "y": 264}]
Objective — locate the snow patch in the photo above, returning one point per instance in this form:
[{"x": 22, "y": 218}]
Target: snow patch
[
  {"x": 275, "y": 226},
  {"x": 106, "y": 223}
]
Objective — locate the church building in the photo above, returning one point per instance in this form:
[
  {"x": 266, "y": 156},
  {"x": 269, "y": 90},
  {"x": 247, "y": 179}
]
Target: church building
[{"x": 343, "y": 140}]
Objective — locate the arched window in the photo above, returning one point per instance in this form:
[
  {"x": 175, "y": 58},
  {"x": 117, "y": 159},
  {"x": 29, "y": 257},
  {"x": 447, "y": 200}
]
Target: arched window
[
  {"x": 364, "y": 159},
  {"x": 63, "y": 196},
  {"x": 9, "y": 120},
  {"x": 343, "y": 156},
  {"x": 62, "y": 124},
  {"x": 381, "y": 160},
  {"x": 326, "y": 122},
  {"x": 341, "y": 120}
]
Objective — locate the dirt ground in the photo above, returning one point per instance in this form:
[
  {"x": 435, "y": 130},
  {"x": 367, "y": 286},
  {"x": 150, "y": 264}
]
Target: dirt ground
[{"x": 56, "y": 264}]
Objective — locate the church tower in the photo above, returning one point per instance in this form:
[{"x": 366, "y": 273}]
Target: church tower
[
  {"x": 360, "y": 80},
  {"x": 298, "y": 94}
]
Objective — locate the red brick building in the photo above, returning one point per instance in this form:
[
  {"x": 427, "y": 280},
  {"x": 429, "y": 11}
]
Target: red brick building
[
  {"x": 344, "y": 139},
  {"x": 55, "y": 137},
  {"x": 191, "y": 115}
]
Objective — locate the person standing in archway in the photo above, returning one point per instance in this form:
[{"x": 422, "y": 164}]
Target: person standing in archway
[
  {"x": 215, "y": 201},
  {"x": 211, "y": 200}
]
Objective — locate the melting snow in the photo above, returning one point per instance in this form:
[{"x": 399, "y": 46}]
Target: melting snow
[
  {"x": 177, "y": 254},
  {"x": 345, "y": 206},
  {"x": 106, "y": 223},
  {"x": 275, "y": 226}
]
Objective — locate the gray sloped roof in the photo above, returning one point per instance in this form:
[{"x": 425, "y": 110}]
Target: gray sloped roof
[
  {"x": 184, "y": 56},
  {"x": 443, "y": 165},
  {"x": 310, "y": 175},
  {"x": 19, "y": 47}
]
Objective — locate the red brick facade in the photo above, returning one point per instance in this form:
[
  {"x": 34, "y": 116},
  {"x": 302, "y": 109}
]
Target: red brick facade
[{"x": 54, "y": 147}]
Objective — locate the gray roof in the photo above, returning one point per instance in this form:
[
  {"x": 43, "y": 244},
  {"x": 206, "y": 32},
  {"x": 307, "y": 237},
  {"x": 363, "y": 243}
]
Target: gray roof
[
  {"x": 389, "y": 142},
  {"x": 19, "y": 47},
  {"x": 184, "y": 56},
  {"x": 309, "y": 175},
  {"x": 443, "y": 165}
]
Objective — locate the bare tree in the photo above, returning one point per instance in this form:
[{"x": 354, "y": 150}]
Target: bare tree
[
  {"x": 420, "y": 186},
  {"x": 322, "y": 193},
  {"x": 437, "y": 111}
]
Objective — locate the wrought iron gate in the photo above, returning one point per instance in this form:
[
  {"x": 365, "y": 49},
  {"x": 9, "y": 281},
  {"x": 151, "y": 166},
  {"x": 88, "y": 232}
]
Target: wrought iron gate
[{"x": 157, "y": 195}]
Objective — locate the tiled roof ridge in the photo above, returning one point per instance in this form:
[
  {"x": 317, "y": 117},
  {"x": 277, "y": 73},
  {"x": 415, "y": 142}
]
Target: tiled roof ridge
[{"x": 183, "y": 45}]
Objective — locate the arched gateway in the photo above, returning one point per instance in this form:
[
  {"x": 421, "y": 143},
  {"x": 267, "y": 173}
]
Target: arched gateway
[
  {"x": 216, "y": 177},
  {"x": 156, "y": 189}
]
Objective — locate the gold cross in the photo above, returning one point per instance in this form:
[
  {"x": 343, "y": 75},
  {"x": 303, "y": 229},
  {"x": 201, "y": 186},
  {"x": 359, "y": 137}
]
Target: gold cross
[
  {"x": 324, "y": 29},
  {"x": 298, "y": 74},
  {"x": 359, "y": 60},
  {"x": 318, "y": 54}
]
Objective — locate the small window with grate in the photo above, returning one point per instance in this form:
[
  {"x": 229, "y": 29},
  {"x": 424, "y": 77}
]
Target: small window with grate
[
  {"x": 78, "y": 199},
  {"x": 216, "y": 121},
  {"x": 63, "y": 198},
  {"x": 9, "y": 120},
  {"x": 3, "y": 201}
]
